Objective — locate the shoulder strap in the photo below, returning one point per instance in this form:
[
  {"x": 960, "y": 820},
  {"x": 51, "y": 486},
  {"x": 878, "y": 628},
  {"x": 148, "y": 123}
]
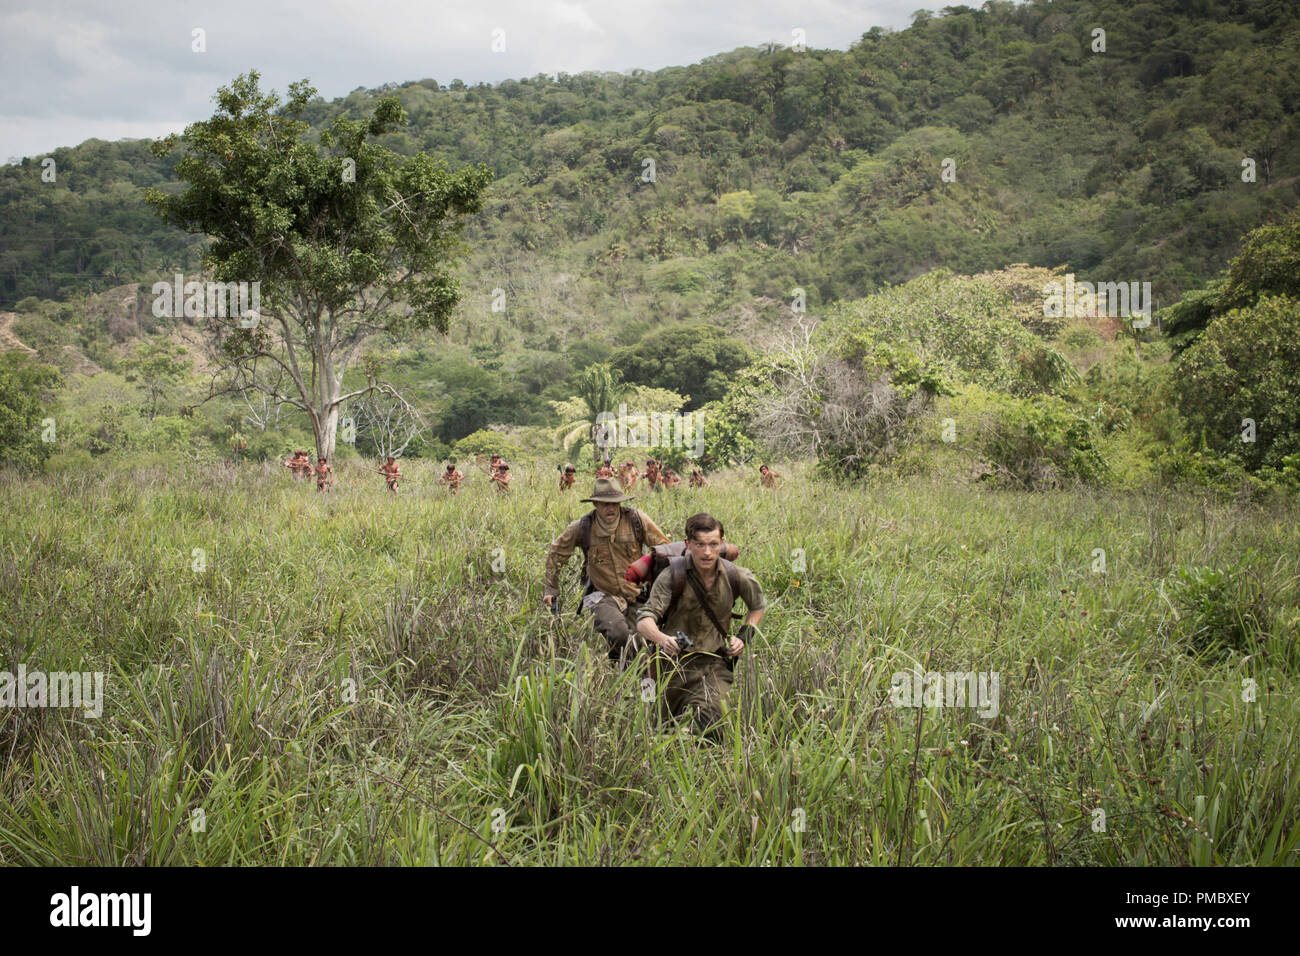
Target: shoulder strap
[
  {"x": 733, "y": 578},
  {"x": 584, "y": 533},
  {"x": 703, "y": 598},
  {"x": 677, "y": 568},
  {"x": 584, "y": 538}
]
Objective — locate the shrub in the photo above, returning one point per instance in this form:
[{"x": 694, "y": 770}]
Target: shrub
[
  {"x": 848, "y": 410},
  {"x": 26, "y": 399},
  {"x": 1244, "y": 367},
  {"x": 1220, "y": 610},
  {"x": 1040, "y": 442},
  {"x": 483, "y": 443},
  {"x": 962, "y": 327}
]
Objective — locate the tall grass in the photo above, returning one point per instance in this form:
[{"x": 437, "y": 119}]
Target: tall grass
[{"x": 358, "y": 678}]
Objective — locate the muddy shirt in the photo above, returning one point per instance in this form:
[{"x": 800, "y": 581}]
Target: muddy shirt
[
  {"x": 689, "y": 615},
  {"x": 608, "y": 558}
]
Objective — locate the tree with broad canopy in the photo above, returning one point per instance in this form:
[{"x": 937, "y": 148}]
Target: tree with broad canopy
[{"x": 347, "y": 239}]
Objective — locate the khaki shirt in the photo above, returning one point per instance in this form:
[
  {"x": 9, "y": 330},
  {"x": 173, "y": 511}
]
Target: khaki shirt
[
  {"x": 608, "y": 559},
  {"x": 689, "y": 616}
]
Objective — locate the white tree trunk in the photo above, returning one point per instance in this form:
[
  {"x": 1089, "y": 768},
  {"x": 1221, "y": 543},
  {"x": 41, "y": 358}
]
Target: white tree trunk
[{"x": 329, "y": 386}]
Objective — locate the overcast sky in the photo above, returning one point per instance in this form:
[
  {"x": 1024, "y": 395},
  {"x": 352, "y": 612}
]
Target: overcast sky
[{"x": 112, "y": 69}]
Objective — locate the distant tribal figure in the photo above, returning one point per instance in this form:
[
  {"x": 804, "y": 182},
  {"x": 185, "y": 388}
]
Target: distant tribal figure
[
  {"x": 324, "y": 475},
  {"x": 300, "y": 464},
  {"x": 452, "y": 478},
  {"x": 567, "y": 476},
  {"x": 652, "y": 475},
  {"x": 502, "y": 477},
  {"x": 627, "y": 476},
  {"x": 698, "y": 480},
  {"x": 391, "y": 473}
]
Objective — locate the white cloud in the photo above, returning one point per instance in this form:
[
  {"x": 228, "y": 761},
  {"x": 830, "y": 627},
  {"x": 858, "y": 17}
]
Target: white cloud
[
  {"x": 80, "y": 68},
  {"x": 574, "y": 14},
  {"x": 72, "y": 130}
]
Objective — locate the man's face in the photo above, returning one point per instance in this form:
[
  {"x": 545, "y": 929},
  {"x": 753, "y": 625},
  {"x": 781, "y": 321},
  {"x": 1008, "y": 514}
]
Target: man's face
[
  {"x": 608, "y": 510},
  {"x": 705, "y": 547}
]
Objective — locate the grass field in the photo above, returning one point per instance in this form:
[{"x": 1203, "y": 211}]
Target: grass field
[{"x": 358, "y": 679}]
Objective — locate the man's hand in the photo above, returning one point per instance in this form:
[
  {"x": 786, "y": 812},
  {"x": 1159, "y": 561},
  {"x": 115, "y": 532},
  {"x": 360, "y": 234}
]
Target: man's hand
[
  {"x": 669, "y": 644},
  {"x": 736, "y": 646},
  {"x": 548, "y": 599}
]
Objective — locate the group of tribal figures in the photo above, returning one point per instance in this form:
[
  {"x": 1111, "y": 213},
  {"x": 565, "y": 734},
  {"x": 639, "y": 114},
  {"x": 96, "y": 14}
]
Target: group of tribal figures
[
  {"x": 664, "y": 606},
  {"x": 656, "y": 476},
  {"x": 300, "y": 464}
]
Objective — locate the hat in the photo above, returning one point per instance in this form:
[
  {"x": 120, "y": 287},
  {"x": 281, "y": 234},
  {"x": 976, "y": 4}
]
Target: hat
[
  {"x": 606, "y": 490},
  {"x": 568, "y": 467}
]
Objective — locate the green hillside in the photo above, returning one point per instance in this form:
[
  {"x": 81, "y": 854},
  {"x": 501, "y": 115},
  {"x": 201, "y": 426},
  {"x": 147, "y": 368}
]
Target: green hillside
[
  {"x": 776, "y": 174},
  {"x": 820, "y": 168}
]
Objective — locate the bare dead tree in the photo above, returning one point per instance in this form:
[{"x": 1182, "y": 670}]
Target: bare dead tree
[
  {"x": 838, "y": 410},
  {"x": 387, "y": 420},
  {"x": 262, "y": 411}
]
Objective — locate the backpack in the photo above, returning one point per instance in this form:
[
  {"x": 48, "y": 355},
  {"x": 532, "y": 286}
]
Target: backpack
[
  {"x": 662, "y": 554},
  {"x": 584, "y": 534}
]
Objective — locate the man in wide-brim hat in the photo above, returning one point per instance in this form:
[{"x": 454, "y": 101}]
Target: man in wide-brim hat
[{"x": 611, "y": 537}]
